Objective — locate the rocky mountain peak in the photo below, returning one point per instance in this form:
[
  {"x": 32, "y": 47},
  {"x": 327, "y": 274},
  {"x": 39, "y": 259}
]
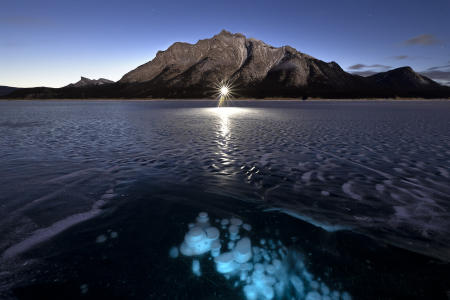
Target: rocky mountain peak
[{"x": 84, "y": 81}]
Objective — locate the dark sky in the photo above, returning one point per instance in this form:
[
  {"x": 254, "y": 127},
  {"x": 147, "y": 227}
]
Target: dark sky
[{"x": 53, "y": 43}]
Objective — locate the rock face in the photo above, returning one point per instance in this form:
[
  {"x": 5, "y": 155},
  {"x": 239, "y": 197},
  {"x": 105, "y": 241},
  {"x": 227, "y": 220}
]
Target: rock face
[
  {"x": 256, "y": 70},
  {"x": 233, "y": 57},
  {"x": 84, "y": 82}
]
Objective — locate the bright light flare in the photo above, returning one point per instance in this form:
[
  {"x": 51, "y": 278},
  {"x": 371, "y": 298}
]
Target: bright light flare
[{"x": 224, "y": 91}]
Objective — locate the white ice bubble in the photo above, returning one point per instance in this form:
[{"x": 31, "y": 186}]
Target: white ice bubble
[
  {"x": 270, "y": 269},
  {"x": 224, "y": 222},
  {"x": 243, "y": 250},
  {"x": 84, "y": 288},
  {"x": 212, "y": 233},
  {"x": 173, "y": 252},
  {"x": 236, "y": 221},
  {"x": 225, "y": 263},
  {"x": 196, "y": 267},
  {"x": 335, "y": 295},
  {"x": 101, "y": 239},
  {"x": 314, "y": 285},
  {"x": 246, "y": 267},
  {"x": 267, "y": 292},
  {"x": 230, "y": 245},
  {"x": 203, "y": 217},
  {"x": 215, "y": 248},
  {"x": 259, "y": 268},
  {"x": 113, "y": 235},
  {"x": 324, "y": 289},
  {"x": 313, "y": 296},
  {"x": 233, "y": 230},
  {"x": 243, "y": 276},
  {"x": 247, "y": 227},
  {"x": 251, "y": 292},
  {"x": 346, "y": 296},
  {"x": 298, "y": 285},
  {"x": 195, "y": 242}
]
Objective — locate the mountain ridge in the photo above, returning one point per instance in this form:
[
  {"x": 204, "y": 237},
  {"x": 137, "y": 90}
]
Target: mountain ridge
[
  {"x": 84, "y": 81},
  {"x": 256, "y": 70}
]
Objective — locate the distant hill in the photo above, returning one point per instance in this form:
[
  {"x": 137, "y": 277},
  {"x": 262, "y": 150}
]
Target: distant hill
[
  {"x": 84, "y": 82},
  {"x": 256, "y": 69},
  {"x": 5, "y": 90}
]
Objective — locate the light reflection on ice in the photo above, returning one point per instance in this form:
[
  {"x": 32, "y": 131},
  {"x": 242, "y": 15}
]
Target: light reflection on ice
[{"x": 265, "y": 271}]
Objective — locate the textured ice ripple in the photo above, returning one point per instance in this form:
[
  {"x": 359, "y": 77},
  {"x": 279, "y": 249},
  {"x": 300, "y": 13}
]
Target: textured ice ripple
[{"x": 377, "y": 168}]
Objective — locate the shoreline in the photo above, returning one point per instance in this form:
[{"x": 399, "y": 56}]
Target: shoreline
[{"x": 240, "y": 100}]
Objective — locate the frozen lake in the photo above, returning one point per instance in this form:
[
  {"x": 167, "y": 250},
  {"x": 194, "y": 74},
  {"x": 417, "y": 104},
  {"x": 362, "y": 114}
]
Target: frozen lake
[{"x": 95, "y": 195}]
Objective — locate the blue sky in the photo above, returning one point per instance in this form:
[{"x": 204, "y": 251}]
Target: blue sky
[{"x": 53, "y": 43}]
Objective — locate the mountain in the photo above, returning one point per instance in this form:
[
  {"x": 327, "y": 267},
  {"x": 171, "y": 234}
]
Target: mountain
[
  {"x": 83, "y": 82},
  {"x": 5, "y": 90},
  {"x": 255, "y": 69}
]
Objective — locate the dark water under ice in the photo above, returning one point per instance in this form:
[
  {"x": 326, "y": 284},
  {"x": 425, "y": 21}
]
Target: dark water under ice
[{"x": 95, "y": 194}]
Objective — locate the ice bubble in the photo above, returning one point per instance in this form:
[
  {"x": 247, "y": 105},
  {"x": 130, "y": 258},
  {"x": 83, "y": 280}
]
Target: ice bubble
[
  {"x": 324, "y": 289},
  {"x": 246, "y": 267},
  {"x": 224, "y": 222},
  {"x": 346, "y": 296},
  {"x": 251, "y": 292},
  {"x": 212, "y": 233},
  {"x": 101, "y": 239},
  {"x": 191, "y": 225},
  {"x": 325, "y": 193},
  {"x": 173, "y": 252},
  {"x": 113, "y": 234},
  {"x": 276, "y": 264},
  {"x": 186, "y": 250},
  {"x": 268, "y": 293},
  {"x": 243, "y": 250},
  {"x": 195, "y": 242},
  {"x": 270, "y": 269},
  {"x": 236, "y": 221},
  {"x": 194, "y": 235},
  {"x": 203, "y": 217},
  {"x": 196, "y": 267},
  {"x": 84, "y": 288},
  {"x": 259, "y": 268},
  {"x": 313, "y": 296},
  {"x": 262, "y": 241},
  {"x": 297, "y": 283},
  {"x": 247, "y": 227},
  {"x": 314, "y": 285},
  {"x": 230, "y": 245},
  {"x": 243, "y": 276},
  {"x": 215, "y": 248},
  {"x": 225, "y": 263},
  {"x": 335, "y": 295},
  {"x": 234, "y": 230}
]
